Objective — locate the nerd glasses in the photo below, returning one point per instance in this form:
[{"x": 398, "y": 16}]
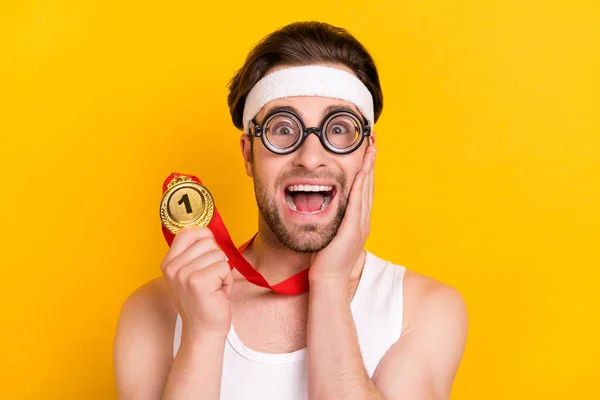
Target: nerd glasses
[{"x": 283, "y": 131}]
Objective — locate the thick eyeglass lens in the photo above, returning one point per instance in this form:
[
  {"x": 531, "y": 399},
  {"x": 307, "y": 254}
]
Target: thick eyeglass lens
[
  {"x": 283, "y": 130},
  {"x": 343, "y": 130}
]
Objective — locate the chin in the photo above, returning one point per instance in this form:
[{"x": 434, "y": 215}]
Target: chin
[
  {"x": 309, "y": 239},
  {"x": 305, "y": 233}
]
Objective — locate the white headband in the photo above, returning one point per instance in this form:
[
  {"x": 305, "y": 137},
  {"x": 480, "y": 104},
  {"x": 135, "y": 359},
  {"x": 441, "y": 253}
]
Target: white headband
[{"x": 309, "y": 80}]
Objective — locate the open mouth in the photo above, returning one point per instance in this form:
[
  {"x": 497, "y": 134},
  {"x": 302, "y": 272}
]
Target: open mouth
[{"x": 309, "y": 199}]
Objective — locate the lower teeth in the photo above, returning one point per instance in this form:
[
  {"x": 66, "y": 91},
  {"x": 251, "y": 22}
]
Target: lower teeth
[
  {"x": 325, "y": 203},
  {"x": 290, "y": 202}
]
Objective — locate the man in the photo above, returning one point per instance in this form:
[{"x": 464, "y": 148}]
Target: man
[{"x": 366, "y": 329}]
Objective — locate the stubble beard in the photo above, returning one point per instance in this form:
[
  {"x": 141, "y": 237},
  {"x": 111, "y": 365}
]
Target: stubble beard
[{"x": 307, "y": 238}]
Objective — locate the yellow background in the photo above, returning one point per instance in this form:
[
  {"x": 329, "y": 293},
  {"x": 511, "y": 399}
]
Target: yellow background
[{"x": 488, "y": 174}]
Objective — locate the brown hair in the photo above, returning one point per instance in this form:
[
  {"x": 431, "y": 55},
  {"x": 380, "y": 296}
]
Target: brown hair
[{"x": 303, "y": 43}]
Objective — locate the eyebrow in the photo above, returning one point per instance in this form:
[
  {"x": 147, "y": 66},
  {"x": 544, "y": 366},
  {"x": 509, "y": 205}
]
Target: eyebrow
[
  {"x": 326, "y": 110},
  {"x": 336, "y": 107},
  {"x": 280, "y": 108}
]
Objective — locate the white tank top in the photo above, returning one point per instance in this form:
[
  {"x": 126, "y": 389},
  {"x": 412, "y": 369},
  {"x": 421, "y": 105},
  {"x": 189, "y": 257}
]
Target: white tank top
[{"x": 377, "y": 311}]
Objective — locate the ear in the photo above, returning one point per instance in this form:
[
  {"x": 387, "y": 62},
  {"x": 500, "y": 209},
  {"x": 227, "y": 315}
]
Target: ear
[
  {"x": 371, "y": 139},
  {"x": 246, "y": 149}
]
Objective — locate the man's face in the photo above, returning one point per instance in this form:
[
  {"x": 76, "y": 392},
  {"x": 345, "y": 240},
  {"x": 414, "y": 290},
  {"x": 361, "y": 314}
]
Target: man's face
[{"x": 302, "y": 219}]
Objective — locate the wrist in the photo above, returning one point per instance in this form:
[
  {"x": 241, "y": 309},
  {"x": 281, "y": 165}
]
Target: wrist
[
  {"x": 330, "y": 282},
  {"x": 202, "y": 339},
  {"x": 330, "y": 288},
  {"x": 327, "y": 278}
]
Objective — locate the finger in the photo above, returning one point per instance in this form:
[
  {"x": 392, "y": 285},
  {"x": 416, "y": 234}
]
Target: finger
[
  {"x": 366, "y": 168},
  {"x": 365, "y": 198},
  {"x": 373, "y": 148},
  {"x": 199, "y": 263},
  {"x": 371, "y": 193},
  {"x": 372, "y": 186},
  {"x": 185, "y": 238},
  {"x": 371, "y": 154},
  {"x": 212, "y": 277},
  {"x": 367, "y": 158},
  {"x": 354, "y": 207},
  {"x": 195, "y": 250}
]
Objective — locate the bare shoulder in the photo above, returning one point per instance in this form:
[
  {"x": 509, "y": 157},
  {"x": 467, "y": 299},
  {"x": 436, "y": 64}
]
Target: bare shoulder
[
  {"x": 143, "y": 341},
  {"x": 423, "y": 362},
  {"x": 152, "y": 297},
  {"x": 428, "y": 301}
]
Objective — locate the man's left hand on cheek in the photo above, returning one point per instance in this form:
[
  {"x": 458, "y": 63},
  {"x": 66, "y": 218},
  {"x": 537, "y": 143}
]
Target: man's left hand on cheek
[{"x": 336, "y": 261}]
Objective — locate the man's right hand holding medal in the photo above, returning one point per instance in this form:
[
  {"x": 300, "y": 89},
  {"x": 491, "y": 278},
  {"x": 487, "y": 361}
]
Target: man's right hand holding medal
[{"x": 199, "y": 280}]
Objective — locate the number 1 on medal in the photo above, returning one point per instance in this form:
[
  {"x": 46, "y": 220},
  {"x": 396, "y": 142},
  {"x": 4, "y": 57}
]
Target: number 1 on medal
[{"x": 185, "y": 199}]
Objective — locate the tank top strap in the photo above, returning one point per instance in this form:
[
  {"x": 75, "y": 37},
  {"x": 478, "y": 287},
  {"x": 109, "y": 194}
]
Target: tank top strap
[{"x": 375, "y": 278}]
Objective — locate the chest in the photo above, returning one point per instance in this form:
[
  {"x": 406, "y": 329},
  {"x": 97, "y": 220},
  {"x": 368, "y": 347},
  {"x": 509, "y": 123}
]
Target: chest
[
  {"x": 270, "y": 323},
  {"x": 267, "y": 322}
]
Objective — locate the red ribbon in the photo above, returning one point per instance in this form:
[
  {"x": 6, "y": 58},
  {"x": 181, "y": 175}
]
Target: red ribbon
[{"x": 294, "y": 285}]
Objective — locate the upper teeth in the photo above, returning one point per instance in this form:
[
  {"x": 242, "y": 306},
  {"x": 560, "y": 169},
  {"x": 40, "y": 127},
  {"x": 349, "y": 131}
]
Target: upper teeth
[{"x": 309, "y": 188}]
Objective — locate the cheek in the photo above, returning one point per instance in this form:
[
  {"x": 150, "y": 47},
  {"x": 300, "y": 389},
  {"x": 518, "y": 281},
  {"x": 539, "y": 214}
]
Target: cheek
[
  {"x": 351, "y": 166},
  {"x": 267, "y": 167}
]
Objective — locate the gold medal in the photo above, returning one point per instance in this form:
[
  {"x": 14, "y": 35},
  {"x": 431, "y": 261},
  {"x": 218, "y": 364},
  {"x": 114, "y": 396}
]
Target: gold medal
[{"x": 185, "y": 203}]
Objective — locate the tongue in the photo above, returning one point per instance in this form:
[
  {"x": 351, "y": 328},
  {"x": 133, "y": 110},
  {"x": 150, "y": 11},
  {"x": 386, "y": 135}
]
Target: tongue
[{"x": 309, "y": 202}]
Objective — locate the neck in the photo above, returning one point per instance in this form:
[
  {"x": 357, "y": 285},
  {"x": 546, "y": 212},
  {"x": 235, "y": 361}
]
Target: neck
[{"x": 272, "y": 259}]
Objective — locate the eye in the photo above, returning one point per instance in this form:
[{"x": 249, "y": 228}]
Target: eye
[
  {"x": 339, "y": 129},
  {"x": 341, "y": 126},
  {"x": 283, "y": 126},
  {"x": 283, "y": 130},
  {"x": 343, "y": 131}
]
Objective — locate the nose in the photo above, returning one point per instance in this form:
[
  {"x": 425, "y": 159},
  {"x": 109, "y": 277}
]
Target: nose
[{"x": 311, "y": 155}]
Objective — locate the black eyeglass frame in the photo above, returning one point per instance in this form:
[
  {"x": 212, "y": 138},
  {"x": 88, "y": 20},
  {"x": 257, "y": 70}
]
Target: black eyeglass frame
[{"x": 257, "y": 131}]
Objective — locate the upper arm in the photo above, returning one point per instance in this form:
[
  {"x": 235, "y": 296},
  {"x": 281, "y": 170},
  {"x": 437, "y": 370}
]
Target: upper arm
[
  {"x": 423, "y": 363},
  {"x": 143, "y": 344}
]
